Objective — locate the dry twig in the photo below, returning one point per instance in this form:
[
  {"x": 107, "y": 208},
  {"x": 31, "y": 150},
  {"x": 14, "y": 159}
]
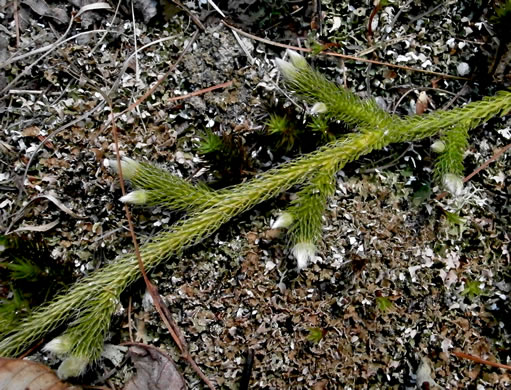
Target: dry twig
[
  {"x": 496, "y": 155},
  {"x": 200, "y": 92},
  {"x": 48, "y": 49},
  {"x": 16, "y": 21},
  {"x": 477, "y": 359},
  {"x": 157, "y": 300},
  {"x": 344, "y": 56}
]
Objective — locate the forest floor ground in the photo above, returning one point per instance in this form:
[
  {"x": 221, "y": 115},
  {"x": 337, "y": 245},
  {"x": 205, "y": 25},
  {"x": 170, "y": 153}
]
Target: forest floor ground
[{"x": 398, "y": 283}]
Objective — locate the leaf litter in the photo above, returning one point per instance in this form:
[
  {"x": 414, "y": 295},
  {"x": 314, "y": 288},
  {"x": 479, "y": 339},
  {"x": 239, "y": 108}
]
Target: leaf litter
[
  {"x": 16, "y": 374},
  {"x": 155, "y": 370}
]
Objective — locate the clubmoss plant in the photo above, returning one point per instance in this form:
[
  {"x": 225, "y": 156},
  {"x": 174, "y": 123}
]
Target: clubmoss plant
[
  {"x": 91, "y": 302},
  {"x": 283, "y": 221},
  {"x": 449, "y": 163},
  {"x": 12, "y": 309},
  {"x": 307, "y": 211},
  {"x": 159, "y": 187}
]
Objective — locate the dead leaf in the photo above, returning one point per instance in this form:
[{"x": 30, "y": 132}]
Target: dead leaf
[
  {"x": 36, "y": 228},
  {"x": 251, "y": 237},
  {"x": 32, "y": 131},
  {"x": 155, "y": 370},
  {"x": 48, "y": 144},
  {"x": 60, "y": 205},
  {"x": 271, "y": 234},
  {"x": 41, "y": 8},
  {"x": 389, "y": 74},
  {"x": 17, "y": 374},
  {"x": 93, "y": 6},
  {"x": 321, "y": 385}
]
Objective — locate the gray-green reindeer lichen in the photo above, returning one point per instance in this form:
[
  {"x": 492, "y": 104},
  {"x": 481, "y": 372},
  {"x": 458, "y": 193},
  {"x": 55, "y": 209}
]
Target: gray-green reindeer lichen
[{"x": 89, "y": 305}]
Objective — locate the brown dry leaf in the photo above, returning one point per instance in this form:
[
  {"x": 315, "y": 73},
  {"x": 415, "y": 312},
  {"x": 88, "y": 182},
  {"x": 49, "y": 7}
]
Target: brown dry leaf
[
  {"x": 321, "y": 385},
  {"x": 155, "y": 370},
  {"x": 16, "y": 374},
  {"x": 271, "y": 234},
  {"x": 32, "y": 131},
  {"x": 53, "y": 162},
  {"x": 389, "y": 74}
]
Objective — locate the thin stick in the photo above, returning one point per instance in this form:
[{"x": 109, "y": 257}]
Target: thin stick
[
  {"x": 212, "y": 3},
  {"x": 150, "y": 286},
  {"x": 242, "y": 46},
  {"x": 127, "y": 61},
  {"x": 31, "y": 350},
  {"x": 236, "y": 36},
  {"x": 370, "y": 32},
  {"x": 194, "y": 18},
  {"x": 105, "y": 34},
  {"x": 42, "y": 49},
  {"x": 200, "y": 92},
  {"x": 129, "y": 319},
  {"x": 345, "y": 56},
  {"x": 43, "y": 142},
  {"x": 151, "y": 90},
  {"x": 495, "y": 156},
  {"x": 48, "y": 48},
  {"x": 157, "y": 301},
  {"x": 185, "y": 351},
  {"x": 480, "y": 360},
  {"x": 137, "y": 69},
  {"x": 16, "y": 21}
]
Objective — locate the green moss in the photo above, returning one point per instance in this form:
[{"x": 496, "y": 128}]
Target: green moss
[
  {"x": 383, "y": 304},
  {"x": 284, "y": 130},
  {"x": 315, "y": 335},
  {"x": 472, "y": 289},
  {"x": 210, "y": 143}
]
